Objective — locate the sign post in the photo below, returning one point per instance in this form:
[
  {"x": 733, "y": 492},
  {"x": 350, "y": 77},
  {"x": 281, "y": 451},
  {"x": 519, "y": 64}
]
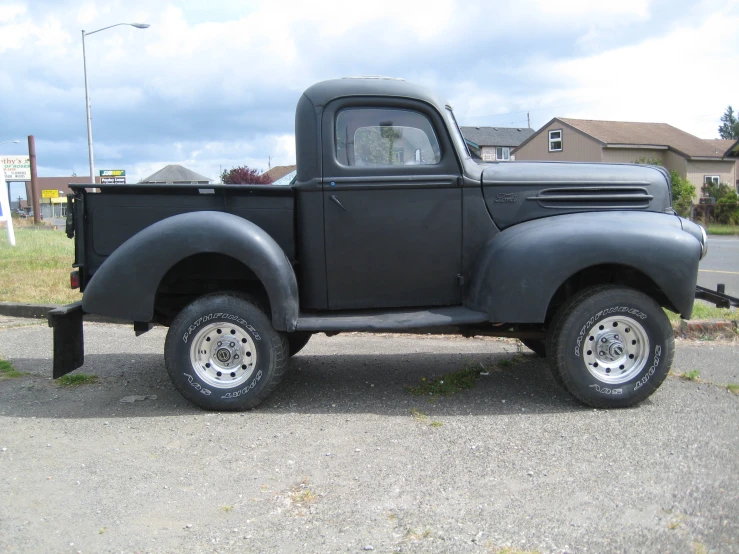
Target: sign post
[{"x": 5, "y": 214}]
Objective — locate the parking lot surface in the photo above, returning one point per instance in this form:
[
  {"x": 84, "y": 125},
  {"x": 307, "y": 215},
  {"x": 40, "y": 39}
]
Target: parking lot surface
[{"x": 342, "y": 458}]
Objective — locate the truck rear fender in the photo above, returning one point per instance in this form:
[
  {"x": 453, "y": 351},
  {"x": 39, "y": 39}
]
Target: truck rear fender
[
  {"x": 518, "y": 272},
  {"x": 126, "y": 284}
]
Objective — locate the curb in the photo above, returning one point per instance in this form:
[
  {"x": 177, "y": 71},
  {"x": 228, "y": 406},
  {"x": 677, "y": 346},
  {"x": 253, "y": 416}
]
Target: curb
[
  {"x": 702, "y": 328},
  {"x": 39, "y": 311}
]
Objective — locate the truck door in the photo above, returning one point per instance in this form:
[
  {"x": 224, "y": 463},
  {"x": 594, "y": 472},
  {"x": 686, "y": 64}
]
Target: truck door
[{"x": 392, "y": 206}]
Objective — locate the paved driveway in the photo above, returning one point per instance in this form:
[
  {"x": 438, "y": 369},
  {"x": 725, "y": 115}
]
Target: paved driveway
[{"x": 343, "y": 459}]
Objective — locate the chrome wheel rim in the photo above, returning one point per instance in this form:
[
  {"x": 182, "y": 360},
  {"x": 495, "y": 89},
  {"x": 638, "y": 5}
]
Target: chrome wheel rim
[
  {"x": 223, "y": 355},
  {"x": 616, "y": 350}
]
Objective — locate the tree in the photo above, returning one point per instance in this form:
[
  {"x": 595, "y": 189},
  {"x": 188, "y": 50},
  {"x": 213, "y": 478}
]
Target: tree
[
  {"x": 729, "y": 128},
  {"x": 243, "y": 175},
  {"x": 682, "y": 191}
]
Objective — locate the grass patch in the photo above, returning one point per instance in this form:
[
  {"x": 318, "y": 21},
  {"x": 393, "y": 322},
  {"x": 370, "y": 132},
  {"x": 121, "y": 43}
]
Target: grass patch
[
  {"x": 226, "y": 508},
  {"x": 718, "y": 229},
  {"x": 7, "y": 370},
  {"x": 301, "y": 494},
  {"x": 703, "y": 310},
  {"x": 418, "y": 415},
  {"x": 733, "y": 387},
  {"x": 77, "y": 379},
  {"x": 37, "y": 269},
  {"x": 436, "y": 424},
  {"x": 448, "y": 384}
]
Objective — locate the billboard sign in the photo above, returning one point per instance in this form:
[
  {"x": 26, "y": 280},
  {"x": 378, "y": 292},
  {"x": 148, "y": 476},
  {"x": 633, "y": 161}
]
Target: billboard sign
[
  {"x": 16, "y": 168},
  {"x": 113, "y": 176},
  {"x": 49, "y": 194}
]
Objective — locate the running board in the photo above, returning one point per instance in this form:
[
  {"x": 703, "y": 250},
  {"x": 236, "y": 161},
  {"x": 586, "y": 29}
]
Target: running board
[{"x": 395, "y": 320}]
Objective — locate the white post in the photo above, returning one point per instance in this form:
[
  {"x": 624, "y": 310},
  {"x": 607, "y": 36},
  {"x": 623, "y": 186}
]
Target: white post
[
  {"x": 89, "y": 117},
  {"x": 5, "y": 214}
]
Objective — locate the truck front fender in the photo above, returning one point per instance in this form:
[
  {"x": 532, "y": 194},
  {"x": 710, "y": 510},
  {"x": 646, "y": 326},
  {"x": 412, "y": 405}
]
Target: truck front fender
[
  {"x": 125, "y": 285},
  {"x": 519, "y": 270}
]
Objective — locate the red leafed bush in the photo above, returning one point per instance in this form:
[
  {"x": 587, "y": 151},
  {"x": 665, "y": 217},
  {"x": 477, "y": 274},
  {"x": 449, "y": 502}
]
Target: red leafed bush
[{"x": 244, "y": 175}]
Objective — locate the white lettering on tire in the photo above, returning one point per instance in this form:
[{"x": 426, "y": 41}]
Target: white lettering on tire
[
  {"x": 197, "y": 386},
  {"x": 229, "y": 317},
  {"x": 606, "y": 390},
  {"x": 655, "y": 363},
  {"x": 246, "y": 389}
]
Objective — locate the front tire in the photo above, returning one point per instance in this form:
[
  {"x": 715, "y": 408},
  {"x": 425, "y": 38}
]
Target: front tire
[
  {"x": 222, "y": 353},
  {"x": 611, "y": 346}
]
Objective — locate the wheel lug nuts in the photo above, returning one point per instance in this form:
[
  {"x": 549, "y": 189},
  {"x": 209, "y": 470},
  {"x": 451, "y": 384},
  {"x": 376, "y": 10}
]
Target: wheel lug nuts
[
  {"x": 616, "y": 337},
  {"x": 219, "y": 343},
  {"x": 232, "y": 344},
  {"x": 602, "y": 353},
  {"x": 601, "y": 340}
]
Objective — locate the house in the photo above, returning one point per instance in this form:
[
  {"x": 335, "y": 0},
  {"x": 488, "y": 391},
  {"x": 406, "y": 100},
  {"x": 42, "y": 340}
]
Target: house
[
  {"x": 282, "y": 174},
  {"x": 176, "y": 175},
  {"x": 490, "y": 144},
  {"x": 585, "y": 140},
  {"x": 730, "y": 148}
]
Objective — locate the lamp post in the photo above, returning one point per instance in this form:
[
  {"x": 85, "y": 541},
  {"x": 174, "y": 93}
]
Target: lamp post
[{"x": 87, "y": 94}]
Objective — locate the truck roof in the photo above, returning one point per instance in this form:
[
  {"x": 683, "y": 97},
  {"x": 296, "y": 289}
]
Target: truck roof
[{"x": 324, "y": 92}]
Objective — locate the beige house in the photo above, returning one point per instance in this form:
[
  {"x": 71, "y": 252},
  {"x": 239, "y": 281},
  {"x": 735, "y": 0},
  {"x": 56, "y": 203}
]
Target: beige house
[{"x": 583, "y": 140}]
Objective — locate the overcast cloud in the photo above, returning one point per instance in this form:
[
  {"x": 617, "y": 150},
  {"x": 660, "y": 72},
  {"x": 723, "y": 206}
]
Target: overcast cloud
[{"x": 213, "y": 84}]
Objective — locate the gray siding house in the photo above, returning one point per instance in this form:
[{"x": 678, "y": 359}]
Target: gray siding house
[{"x": 494, "y": 144}]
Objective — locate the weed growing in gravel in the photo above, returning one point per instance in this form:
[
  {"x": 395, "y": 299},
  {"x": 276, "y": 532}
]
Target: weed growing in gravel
[
  {"x": 227, "y": 508},
  {"x": 7, "y": 370},
  {"x": 436, "y": 424},
  {"x": 448, "y": 384},
  {"x": 77, "y": 379},
  {"x": 733, "y": 387},
  {"x": 418, "y": 415},
  {"x": 102, "y": 530},
  {"x": 691, "y": 375}
]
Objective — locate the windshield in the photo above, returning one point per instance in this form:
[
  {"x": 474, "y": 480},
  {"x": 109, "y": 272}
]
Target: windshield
[{"x": 458, "y": 138}]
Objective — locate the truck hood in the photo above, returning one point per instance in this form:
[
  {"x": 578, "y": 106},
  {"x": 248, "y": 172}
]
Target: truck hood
[{"x": 521, "y": 191}]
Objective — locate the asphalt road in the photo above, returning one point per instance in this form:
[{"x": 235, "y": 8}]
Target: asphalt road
[
  {"x": 721, "y": 264},
  {"x": 336, "y": 461}
]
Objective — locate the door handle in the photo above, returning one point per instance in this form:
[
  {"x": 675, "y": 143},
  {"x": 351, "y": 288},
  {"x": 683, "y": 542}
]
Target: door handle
[{"x": 337, "y": 202}]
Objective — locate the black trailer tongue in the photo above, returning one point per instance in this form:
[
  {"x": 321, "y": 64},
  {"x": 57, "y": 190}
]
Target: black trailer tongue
[{"x": 717, "y": 297}]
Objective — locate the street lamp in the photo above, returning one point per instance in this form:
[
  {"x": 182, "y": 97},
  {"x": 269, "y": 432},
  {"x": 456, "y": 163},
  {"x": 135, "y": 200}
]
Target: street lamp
[{"x": 87, "y": 94}]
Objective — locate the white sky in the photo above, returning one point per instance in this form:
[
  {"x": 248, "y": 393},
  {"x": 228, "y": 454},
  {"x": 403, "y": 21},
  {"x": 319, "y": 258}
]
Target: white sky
[{"x": 213, "y": 85}]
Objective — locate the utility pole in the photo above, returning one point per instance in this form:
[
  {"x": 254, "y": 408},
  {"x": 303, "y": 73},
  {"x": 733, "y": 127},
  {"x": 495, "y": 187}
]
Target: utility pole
[
  {"x": 269, "y": 162},
  {"x": 34, "y": 179},
  {"x": 528, "y": 119}
]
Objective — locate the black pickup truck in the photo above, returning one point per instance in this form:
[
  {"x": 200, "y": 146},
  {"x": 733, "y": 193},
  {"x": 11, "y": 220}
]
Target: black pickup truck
[{"x": 389, "y": 226}]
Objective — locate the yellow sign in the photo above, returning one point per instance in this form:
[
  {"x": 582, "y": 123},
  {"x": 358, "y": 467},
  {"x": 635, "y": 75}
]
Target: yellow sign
[{"x": 49, "y": 194}]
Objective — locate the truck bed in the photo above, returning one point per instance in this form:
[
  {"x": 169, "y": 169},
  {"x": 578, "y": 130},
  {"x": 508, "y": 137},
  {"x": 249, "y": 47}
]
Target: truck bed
[{"x": 106, "y": 219}]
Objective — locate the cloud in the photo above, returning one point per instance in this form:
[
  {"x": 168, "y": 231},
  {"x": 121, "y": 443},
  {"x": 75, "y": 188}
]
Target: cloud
[{"x": 213, "y": 87}]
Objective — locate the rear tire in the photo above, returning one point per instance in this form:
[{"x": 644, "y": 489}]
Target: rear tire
[
  {"x": 222, "y": 353},
  {"x": 537, "y": 345},
  {"x": 611, "y": 346}
]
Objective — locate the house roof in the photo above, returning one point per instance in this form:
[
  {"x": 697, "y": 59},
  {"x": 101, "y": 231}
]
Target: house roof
[
  {"x": 279, "y": 171},
  {"x": 730, "y": 147},
  {"x": 623, "y": 133},
  {"x": 175, "y": 174},
  {"x": 496, "y": 136}
]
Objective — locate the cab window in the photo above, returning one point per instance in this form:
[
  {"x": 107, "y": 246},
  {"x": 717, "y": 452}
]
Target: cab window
[{"x": 382, "y": 137}]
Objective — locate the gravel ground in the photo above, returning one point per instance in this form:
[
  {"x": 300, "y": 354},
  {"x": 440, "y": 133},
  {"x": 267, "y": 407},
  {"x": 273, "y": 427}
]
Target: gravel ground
[{"x": 343, "y": 459}]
